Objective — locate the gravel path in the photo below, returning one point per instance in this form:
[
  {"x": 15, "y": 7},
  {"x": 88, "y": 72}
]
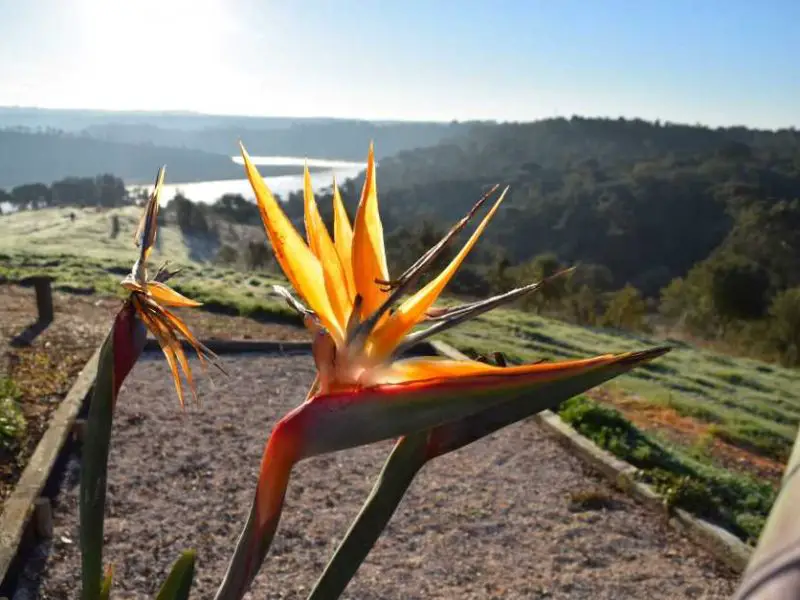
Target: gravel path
[{"x": 492, "y": 520}]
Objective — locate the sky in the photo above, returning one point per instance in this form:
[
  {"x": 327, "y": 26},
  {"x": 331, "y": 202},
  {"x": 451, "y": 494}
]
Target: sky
[{"x": 716, "y": 62}]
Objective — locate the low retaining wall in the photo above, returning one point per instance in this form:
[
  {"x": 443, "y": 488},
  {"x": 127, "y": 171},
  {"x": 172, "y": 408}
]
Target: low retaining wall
[{"x": 17, "y": 529}]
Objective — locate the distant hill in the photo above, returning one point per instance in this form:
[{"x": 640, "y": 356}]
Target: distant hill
[
  {"x": 344, "y": 139},
  {"x": 46, "y": 157}
]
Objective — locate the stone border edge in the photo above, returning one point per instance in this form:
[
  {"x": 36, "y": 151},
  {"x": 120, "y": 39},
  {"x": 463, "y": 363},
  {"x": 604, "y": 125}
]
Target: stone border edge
[
  {"x": 25, "y": 498},
  {"x": 719, "y": 542}
]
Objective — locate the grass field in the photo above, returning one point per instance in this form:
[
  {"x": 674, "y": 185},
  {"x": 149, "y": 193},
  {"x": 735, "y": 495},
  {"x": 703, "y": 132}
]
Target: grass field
[{"x": 723, "y": 423}]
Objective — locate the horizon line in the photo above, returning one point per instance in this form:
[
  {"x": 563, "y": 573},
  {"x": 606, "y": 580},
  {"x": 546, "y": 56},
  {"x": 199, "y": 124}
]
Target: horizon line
[{"x": 396, "y": 120}]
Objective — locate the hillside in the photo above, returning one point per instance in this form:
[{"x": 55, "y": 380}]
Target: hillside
[
  {"x": 342, "y": 139},
  {"x": 646, "y": 201},
  {"x": 48, "y": 156}
]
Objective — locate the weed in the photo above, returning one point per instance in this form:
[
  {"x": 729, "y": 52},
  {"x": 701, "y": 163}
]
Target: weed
[{"x": 12, "y": 421}]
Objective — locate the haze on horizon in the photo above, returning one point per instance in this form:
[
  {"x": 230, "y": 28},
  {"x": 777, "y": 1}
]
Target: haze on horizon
[{"x": 719, "y": 62}]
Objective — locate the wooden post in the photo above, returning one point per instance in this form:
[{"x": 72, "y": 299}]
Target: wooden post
[
  {"x": 44, "y": 299},
  {"x": 43, "y": 518},
  {"x": 44, "y": 296}
]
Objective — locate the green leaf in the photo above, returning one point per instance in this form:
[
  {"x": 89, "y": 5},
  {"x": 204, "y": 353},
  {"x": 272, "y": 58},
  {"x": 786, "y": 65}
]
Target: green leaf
[
  {"x": 105, "y": 588},
  {"x": 411, "y": 453},
  {"x": 179, "y": 581},
  {"x": 118, "y": 353},
  {"x": 94, "y": 464}
]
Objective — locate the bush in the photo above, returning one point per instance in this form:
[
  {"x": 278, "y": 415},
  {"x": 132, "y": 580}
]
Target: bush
[
  {"x": 784, "y": 328},
  {"x": 12, "y": 421},
  {"x": 226, "y": 255},
  {"x": 626, "y": 310}
]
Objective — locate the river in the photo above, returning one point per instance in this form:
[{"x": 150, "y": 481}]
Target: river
[{"x": 321, "y": 177}]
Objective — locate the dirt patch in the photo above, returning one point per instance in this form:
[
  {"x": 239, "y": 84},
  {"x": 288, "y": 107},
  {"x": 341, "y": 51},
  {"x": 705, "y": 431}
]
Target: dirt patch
[
  {"x": 689, "y": 432},
  {"x": 44, "y": 371},
  {"x": 496, "y": 519}
]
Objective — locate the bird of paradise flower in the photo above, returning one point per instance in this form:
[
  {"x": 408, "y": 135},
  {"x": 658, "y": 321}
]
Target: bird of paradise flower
[{"x": 362, "y": 322}]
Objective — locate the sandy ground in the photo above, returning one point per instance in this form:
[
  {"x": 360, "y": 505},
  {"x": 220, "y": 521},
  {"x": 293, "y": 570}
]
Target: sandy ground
[{"x": 493, "y": 520}]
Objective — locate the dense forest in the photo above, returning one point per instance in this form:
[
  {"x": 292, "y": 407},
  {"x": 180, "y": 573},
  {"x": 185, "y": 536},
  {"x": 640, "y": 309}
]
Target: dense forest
[{"x": 687, "y": 229}]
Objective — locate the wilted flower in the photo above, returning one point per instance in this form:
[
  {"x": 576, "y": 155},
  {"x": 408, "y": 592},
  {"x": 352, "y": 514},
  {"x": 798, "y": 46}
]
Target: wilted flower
[{"x": 151, "y": 297}]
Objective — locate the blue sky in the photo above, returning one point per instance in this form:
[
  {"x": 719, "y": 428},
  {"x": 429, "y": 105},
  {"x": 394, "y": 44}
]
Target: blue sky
[{"x": 716, "y": 62}]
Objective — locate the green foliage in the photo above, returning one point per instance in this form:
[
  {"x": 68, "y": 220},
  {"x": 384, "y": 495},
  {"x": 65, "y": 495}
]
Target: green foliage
[
  {"x": 408, "y": 242},
  {"x": 738, "y": 289},
  {"x": 12, "y": 421},
  {"x": 234, "y": 208},
  {"x": 227, "y": 255},
  {"x": 625, "y": 310},
  {"x": 537, "y": 269},
  {"x": 736, "y": 502},
  {"x": 258, "y": 255},
  {"x": 179, "y": 581},
  {"x": 189, "y": 215},
  {"x": 93, "y": 476},
  {"x": 784, "y": 330}
]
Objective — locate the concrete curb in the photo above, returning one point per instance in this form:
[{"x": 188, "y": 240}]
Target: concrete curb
[
  {"x": 26, "y": 498},
  {"x": 719, "y": 542}
]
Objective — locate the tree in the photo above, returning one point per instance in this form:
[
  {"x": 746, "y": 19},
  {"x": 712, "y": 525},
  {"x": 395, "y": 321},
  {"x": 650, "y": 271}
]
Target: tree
[
  {"x": 258, "y": 255},
  {"x": 784, "y": 331},
  {"x": 30, "y": 195},
  {"x": 625, "y": 310},
  {"x": 582, "y": 306},
  {"x": 540, "y": 268},
  {"x": 188, "y": 215},
  {"x": 739, "y": 289},
  {"x": 226, "y": 255},
  {"x": 234, "y": 207}
]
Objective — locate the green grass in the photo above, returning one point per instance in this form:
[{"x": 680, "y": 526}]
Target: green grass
[
  {"x": 12, "y": 421},
  {"x": 736, "y": 502},
  {"x": 51, "y": 232},
  {"x": 752, "y": 404}
]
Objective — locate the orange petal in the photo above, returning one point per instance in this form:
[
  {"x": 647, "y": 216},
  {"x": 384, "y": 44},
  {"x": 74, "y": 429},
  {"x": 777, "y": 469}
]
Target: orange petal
[
  {"x": 412, "y": 311},
  {"x": 369, "y": 254},
  {"x": 165, "y": 295},
  {"x": 167, "y": 349},
  {"x": 343, "y": 239},
  {"x": 322, "y": 246},
  {"x": 417, "y": 370},
  {"x": 296, "y": 259}
]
